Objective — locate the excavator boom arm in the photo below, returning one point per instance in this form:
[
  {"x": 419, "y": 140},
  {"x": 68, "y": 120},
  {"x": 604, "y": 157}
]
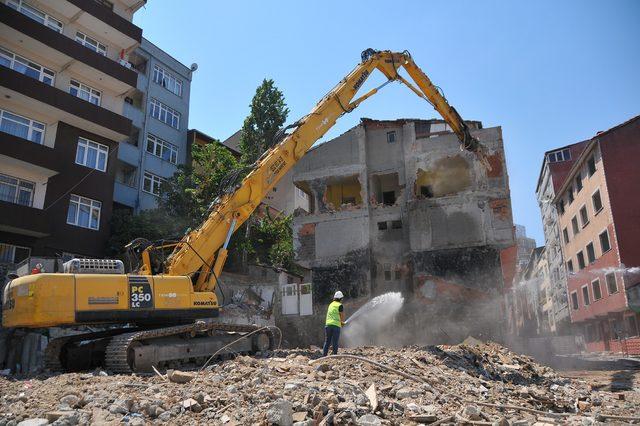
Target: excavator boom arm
[{"x": 204, "y": 250}]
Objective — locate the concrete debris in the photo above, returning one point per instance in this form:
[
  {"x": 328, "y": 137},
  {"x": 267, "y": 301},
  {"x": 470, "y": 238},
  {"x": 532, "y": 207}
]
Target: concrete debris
[
  {"x": 176, "y": 376},
  {"x": 441, "y": 385}
]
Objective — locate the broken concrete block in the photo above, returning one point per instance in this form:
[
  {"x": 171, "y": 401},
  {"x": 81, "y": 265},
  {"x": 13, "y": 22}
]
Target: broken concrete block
[
  {"x": 34, "y": 422},
  {"x": 299, "y": 416},
  {"x": 369, "y": 420},
  {"x": 373, "y": 396},
  {"x": 191, "y": 405},
  {"x": 280, "y": 413},
  {"x": 177, "y": 376}
]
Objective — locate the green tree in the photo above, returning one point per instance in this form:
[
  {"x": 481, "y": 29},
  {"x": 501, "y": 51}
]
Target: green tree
[
  {"x": 190, "y": 191},
  {"x": 268, "y": 114},
  {"x": 271, "y": 241}
]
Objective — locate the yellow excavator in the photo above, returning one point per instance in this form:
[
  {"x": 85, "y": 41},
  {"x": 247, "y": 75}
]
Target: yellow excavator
[{"x": 155, "y": 314}]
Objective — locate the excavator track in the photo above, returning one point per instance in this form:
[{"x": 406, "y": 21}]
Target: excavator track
[{"x": 118, "y": 357}]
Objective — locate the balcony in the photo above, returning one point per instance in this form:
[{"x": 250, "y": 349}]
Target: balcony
[
  {"x": 19, "y": 88},
  {"x": 29, "y": 152},
  {"x": 23, "y": 220},
  {"x": 129, "y": 153},
  {"x": 63, "y": 51},
  {"x": 125, "y": 194},
  {"x": 100, "y": 19}
]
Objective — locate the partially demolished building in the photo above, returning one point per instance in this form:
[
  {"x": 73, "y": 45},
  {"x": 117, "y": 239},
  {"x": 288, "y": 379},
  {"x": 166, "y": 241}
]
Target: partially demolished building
[{"x": 398, "y": 206}]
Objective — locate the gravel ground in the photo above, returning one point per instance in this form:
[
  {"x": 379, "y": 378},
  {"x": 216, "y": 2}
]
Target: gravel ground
[{"x": 463, "y": 384}]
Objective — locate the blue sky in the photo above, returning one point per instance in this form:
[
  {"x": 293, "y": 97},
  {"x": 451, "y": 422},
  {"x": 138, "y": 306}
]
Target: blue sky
[{"x": 549, "y": 72}]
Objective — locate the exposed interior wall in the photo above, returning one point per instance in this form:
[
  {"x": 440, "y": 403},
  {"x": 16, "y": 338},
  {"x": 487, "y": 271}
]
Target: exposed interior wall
[
  {"x": 342, "y": 192},
  {"x": 448, "y": 176}
]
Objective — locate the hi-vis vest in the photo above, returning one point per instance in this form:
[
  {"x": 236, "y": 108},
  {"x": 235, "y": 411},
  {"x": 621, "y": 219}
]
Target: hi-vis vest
[{"x": 333, "y": 314}]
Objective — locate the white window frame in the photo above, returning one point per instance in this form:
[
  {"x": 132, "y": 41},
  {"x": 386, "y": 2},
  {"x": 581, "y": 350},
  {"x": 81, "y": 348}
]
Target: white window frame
[
  {"x": 91, "y": 43},
  {"x": 588, "y": 299},
  {"x": 609, "y": 292},
  {"x": 93, "y": 206},
  {"x": 577, "y": 304},
  {"x": 45, "y": 75},
  {"x": 85, "y": 92},
  {"x": 158, "y": 110},
  {"x": 597, "y": 280},
  {"x": 34, "y": 127},
  {"x": 101, "y": 151},
  {"x": 19, "y": 185},
  {"x": 31, "y": 12},
  {"x": 154, "y": 183},
  {"x": 12, "y": 249},
  {"x": 559, "y": 155},
  {"x": 159, "y": 146},
  {"x": 594, "y": 204},
  {"x": 608, "y": 239},
  {"x": 167, "y": 80}
]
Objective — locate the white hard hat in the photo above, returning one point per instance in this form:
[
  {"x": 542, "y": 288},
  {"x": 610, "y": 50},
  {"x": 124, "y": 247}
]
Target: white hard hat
[{"x": 338, "y": 295}]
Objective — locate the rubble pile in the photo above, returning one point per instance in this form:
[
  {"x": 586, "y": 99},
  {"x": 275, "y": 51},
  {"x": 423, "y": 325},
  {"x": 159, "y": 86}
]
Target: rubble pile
[{"x": 469, "y": 383}]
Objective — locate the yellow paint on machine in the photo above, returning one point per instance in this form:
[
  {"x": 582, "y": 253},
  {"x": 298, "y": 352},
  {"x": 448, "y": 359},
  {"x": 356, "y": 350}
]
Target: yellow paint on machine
[{"x": 44, "y": 300}]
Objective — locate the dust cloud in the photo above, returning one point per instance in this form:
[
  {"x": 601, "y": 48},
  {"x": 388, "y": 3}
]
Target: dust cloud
[{"x": 369, "y": 324}]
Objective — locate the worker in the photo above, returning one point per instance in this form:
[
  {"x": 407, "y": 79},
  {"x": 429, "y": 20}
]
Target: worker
[{"x": 333, "y": 323}]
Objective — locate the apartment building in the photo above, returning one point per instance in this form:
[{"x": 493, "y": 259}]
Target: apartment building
[
  {"x": 556, "y": 165},
  {"x": 64, "y": 77},
  {"x": 599, "y": 212},
  {"x": 159, "y": 110},
  {"x": 397, "y": 206}
]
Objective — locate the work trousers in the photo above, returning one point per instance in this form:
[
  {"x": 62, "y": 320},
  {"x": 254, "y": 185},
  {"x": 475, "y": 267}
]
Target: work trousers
[{"x": 331, "y": 337}]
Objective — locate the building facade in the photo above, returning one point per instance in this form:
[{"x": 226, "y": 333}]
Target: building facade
[
  {"x": 159, "y": 110},
  {"x": 555, "y": 167},
  {"x": 599, "y": 212},
  {"x": 63, "y": 80},
  {"x": 397, "y": 206}
]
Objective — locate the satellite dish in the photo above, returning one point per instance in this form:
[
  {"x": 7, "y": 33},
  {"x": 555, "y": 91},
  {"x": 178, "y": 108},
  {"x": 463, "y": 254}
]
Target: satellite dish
[{"x": 194, "y": 66}]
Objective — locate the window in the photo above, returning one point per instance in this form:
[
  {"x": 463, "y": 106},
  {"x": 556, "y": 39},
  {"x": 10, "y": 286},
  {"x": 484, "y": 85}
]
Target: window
[
  {"x": 574, "y": 300},
  {"x": 396, "y": 224},
  {"x": 24, "y": 66},
  {"x": 604, "y": 241},
  {"x": 591, "y": 253},
  {"x": 84, "y": 212},
  {"x": 16, "y": 191},
  {"x": 90, "y": 43},
  {"x": 396, "y": 274},
  {"x": 163, "y": 149},
  {"x": 165, "y": 114},
  {"x": 35, "y": 14},
  {"x": 85, "y": 92},
  {"x": 585, "y": 295},
  {"x": 167, "y": 80},
  {"x": 584, "y": 216},
  {"x": 580, "y": 256},
  {"x": 570, "y": 265},
  {"x": 391, "y": 137},
  {"x": 591, "y": 165},
  {"x": 578, "y": 182},
  {"x": 387, "y": 272},
  {"x": 561, "y": 207},
  {"x": 151, "y": 183},
  {"x": 597, "y": 201},
  {"x": 561, "y": 155},
  {"x": 565, "y": 234},
  {"x": 595, "y": 287},
  {"x": 22, "y": 127},
  {"x": 570, "y": 195},
  {"x": 574, "y": 225},
  {"x": 631, "y": 326},
  {"x": 92, "y": 154},
  {"x": 13, "y": 254},
  {"x": 612, "y": 285},
  {"x": 382, "y": 226}
]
